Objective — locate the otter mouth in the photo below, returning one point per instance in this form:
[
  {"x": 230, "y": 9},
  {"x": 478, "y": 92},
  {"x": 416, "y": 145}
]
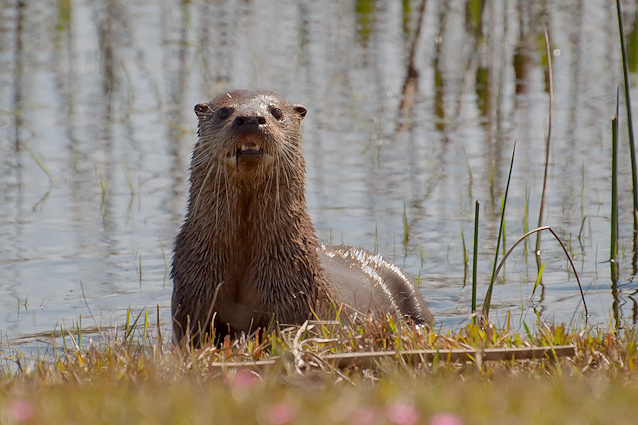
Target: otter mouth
[
  {"x": 248, "y": 154},
  {"x": 249, "y": 150}
]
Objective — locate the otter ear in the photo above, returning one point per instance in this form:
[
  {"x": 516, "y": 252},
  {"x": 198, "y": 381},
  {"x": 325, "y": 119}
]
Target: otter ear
[
  {"x": 301, "y": 110},
  {"x": 201, "y": 109}
]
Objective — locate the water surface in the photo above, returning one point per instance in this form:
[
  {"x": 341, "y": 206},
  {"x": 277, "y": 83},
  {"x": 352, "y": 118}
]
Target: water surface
[{"x": 97, "y": 126}]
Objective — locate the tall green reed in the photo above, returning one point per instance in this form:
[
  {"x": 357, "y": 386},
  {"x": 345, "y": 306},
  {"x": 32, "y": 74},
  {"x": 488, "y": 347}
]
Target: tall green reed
[
  {"x": 488, "y": 295},
  {"x": 630, "y": 126},
  {"x": 475, "y": 260},
  {"x": 614, "y": 195}
]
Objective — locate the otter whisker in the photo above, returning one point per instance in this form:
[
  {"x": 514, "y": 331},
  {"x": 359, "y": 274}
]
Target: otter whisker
[
  {"x": 226, "y": 211},
  {"x": 202, "y": 150},
  {"x": 287, "y": 155},
  {"x": 277, "y": 198},
  {"x": 210, "y": 166}
]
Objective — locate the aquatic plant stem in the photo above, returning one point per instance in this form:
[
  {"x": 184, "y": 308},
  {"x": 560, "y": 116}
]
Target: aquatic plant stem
[
  {"x": 562, "y": 245},
  {"x": 488, "y": 295},
  {"x": 630, "y": 126},
  {"x": 613, "y": 263},
  {"x": 537, "y": 251},
  {"x": 475, "y": 260},
  {"x": 614, "y": 195}
]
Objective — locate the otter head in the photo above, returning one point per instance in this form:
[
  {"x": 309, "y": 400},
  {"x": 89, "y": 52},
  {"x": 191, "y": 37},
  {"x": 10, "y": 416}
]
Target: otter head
[{"x": 248, "y": 132}]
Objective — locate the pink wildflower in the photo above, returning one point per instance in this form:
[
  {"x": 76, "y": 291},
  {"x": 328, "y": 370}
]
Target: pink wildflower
[
  {"x": 402, "y": 414},
  {"x": 20, "y": 410},
  {"x": 363, "y": 416},
  {"x": 244, "y": 380},
  {"x": 445, "y": 419},
  {"x": 281, "y": 413}
]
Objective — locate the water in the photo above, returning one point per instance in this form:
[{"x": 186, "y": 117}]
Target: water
[{"x": 97, "y": 125}]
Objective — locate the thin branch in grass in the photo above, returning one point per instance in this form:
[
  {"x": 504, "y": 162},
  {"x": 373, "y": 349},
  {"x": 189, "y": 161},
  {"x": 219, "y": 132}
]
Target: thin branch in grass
[{"x": 370, "y": 360}]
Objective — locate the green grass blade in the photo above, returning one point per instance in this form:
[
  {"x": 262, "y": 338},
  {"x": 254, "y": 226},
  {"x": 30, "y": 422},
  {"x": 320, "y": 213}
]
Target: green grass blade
[
  {"x": 488, "y": 295},
  {"x": 630, "y": 126},
  {"x": 475, "y": 259},
  {"x": 406, "y": 227},
  {"x": 538, "y": 278},
  {"x": 80, "y": 332},
  {"x": 128, "y": 317},
  {"x": 145, "y": 324},
  {"x": 614, "y": 195}
]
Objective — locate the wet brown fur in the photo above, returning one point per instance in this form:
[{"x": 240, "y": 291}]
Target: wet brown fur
[{"x": 247, "y": 252}]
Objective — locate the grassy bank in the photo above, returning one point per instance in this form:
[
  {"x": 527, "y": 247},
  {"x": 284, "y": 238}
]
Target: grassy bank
[{"x": 138, "y": 380}]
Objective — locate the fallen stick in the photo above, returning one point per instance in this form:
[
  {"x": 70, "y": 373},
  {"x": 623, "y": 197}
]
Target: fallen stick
[{"x": 454, "y": 355}]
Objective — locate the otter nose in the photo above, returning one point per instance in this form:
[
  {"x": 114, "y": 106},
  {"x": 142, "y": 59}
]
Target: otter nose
[{"x": 245, "y": 121}]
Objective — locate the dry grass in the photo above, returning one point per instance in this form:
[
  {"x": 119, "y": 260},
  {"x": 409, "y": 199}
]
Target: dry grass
[{"x": 134, "y": 378}]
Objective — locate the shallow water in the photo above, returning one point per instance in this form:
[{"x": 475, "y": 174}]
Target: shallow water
[{"x": 97, "y": 125}]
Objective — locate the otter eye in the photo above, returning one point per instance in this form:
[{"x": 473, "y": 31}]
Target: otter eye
[
  {"x": 223, "y": 113},
  {"x": 276, "y": 112}
]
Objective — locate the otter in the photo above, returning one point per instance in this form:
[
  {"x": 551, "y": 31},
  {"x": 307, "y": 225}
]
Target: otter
[{"x": 247, "y": 252}]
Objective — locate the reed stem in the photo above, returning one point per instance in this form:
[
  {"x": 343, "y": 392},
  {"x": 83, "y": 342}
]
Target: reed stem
[
  {"x": 547, "y": 146},
  {"x": 630, "y": 126},
  {"x": 475, "y": 260},
  {"x": 614, "y": 194},
  {"x": 488, "y": 295}
]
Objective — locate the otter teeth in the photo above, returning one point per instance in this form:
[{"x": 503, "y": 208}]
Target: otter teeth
[
  {"x": 249, "y": 149},
  {"x": 245, "y": 148}
]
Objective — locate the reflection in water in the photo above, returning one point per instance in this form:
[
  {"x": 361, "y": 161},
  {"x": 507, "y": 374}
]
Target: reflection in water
[
  {"x": 474, "y": 25},
  {"x": 18, "y": 70},
  {"x": 439, "y": 85},
  {"x": 365, "y": 19},
  {"x": 176, "y": 62},
  {"x": 13, "y": 167},
  {"x": 411, "y": 82},
  {"x": 413, "y": 103}
]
